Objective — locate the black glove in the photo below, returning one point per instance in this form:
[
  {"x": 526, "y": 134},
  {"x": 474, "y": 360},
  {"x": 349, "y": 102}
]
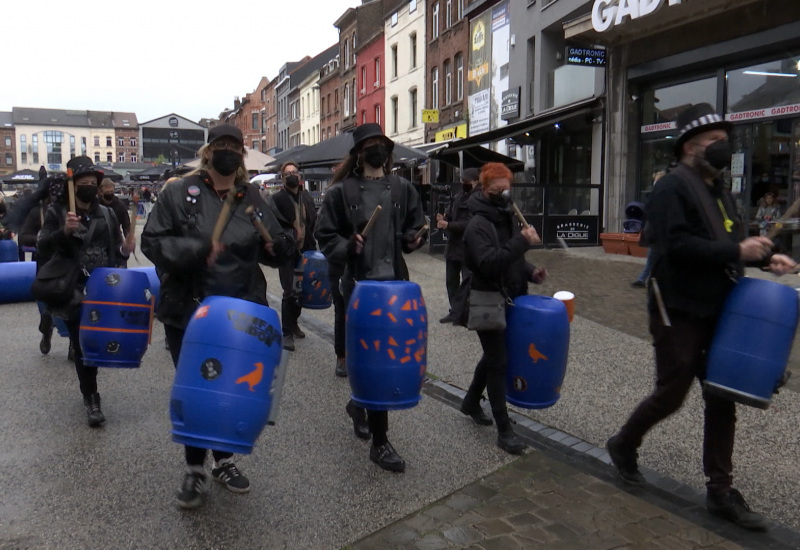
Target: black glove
[
  {"x": 282, "y": 245},
  {"x": 355, "y": 246}
]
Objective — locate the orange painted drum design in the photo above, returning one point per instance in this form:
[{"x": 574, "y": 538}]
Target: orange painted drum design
[
  {"x": 116, "y": 318},
  {"x": 314, "y": 291},
  {"x": 537, "y": 346},
  {"x": 386, "y": 344},
  {"x": 225, "y": 380}
]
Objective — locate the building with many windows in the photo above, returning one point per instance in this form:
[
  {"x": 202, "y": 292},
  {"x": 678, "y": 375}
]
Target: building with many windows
[
  {"x": 171, "y": 138},
  {"x": 8, "y": 150},
  {"x": 404, "y": 71},
  {"x": 126, "y": 138},
  {"x": 50, "y": 137}
]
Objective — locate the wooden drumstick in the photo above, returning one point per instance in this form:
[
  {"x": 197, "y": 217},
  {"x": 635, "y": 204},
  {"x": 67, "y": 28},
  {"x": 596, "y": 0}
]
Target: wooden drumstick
[
  {"x": 420, "y": 233},
  {"x": 222, "y": 220},
  {"x": 262, "y": 230},
  {"x": 371, "y": 221},
  {"x": 71, "y": 191},
  {"x": 662, "y": 309},
  {"x": 134, "y": 212},
  {"x": 519, "y": 215}
]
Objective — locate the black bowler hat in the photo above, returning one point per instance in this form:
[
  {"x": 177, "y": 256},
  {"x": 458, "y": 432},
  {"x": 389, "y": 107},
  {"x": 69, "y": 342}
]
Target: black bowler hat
[
  {"x": 225, "y": 130},
  {"x": 696, "y": 119},
  {"x": 370, "y": 130},
  {"x": 83, "y": 165}
]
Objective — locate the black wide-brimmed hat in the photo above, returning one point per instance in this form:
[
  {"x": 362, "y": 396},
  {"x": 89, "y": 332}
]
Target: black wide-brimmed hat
[
  {"x": 83, "y": 165},
  {"x": 696, "y": 119},
  {"x": 370, "y": 130}
]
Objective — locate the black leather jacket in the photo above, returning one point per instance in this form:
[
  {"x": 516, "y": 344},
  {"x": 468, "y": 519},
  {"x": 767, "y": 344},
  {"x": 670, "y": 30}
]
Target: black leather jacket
[{"x": 177, "y": 239}]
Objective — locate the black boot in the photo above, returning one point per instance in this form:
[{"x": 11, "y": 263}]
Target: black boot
[
  {"x": 509, "y": 442},
  {"x": 359, "y": 416},
  {"x": 387, "y": 458},
  {"x": 341, "y": 367},
  {"x": 93, "y": 412},
  {"x": 475, "y": 412},
  {"x": 46, "y": 328}
]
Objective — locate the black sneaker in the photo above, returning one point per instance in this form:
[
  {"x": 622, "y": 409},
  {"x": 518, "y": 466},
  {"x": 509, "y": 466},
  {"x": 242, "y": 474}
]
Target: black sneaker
[
  {"x": 732, "y": 507},
  {"x": 638, "y": 284},
  {"x": 359, "y": 416},
  {"x": 44, "y": 344},
  {"x": 625, "y": 461},
  {"x": 510, "y": 443},
  {"x": 230, "y": 476},
  {"x": 288, "y": 342},
  {"x": 298, "y": 333},
  {"x": 387, "y": 458},
  {"x": 341, "y": 367},
  {"x": 93, "y": 413},
  {"x": 192, "y": 492}
]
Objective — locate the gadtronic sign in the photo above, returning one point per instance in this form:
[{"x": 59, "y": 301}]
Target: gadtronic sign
[{"x": 607, "y": 13}]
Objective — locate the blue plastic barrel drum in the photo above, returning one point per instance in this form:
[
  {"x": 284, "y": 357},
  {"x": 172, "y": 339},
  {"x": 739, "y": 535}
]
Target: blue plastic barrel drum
[
  {"x": 314, "y": 289},
  {"x": 16, "y": 279},
  {"x": 116, "y": 318},
  {"x": 9, "y": 251},
  {"x": 753, "y": 339},
  {"x": 225, "y": 379},
  {"x": 537, "y": 347},
  {"x": 386, "y": 344}
]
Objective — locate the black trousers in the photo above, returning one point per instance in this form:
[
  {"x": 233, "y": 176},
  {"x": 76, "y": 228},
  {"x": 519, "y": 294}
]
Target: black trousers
[
  {"x": 378, "y": 420},
  {"x": 87, "y": 376},
  {"x": 290, "y": 309},
  {"x": 195, "y": 456},
  {"x": 454, "y": 271},
  {"x": 680, "y": 358},
  {"x": 490, "y": 374}
]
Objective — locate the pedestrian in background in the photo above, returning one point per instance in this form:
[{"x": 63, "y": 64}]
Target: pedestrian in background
[
  {"x": 699, "y": 248},
  {"x": 91, "y": 237},
  {"x": 364, "y": 183},
  {"x": 454, "y": 221},
  {"x": 641, "y": 280},
  {"x": 494, "y": 252},
  {"x": 110, "y": 200},
  {"x": 295, "y": 210}
]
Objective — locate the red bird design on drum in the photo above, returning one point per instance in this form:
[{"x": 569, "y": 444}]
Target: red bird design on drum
[
  {"x": 253, "y": 378},
  {"x": 535, "y": 353}
]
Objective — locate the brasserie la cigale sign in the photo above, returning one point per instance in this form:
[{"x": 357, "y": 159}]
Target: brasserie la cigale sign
[{"x": 607, "y": 13}]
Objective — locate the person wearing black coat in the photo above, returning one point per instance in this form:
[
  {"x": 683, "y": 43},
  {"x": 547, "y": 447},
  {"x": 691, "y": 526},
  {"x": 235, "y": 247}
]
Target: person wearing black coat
[
  {"x": 110, "y": 200},
  {"x": 699, "y": 248},
  {"x": 361, "y": 184},
  {"x": 495, "y": 247},
  {"x": 86, "y": 237},
  {"x": 454, "y": 222},
  {"x": 295, "y": 210},
  {"x": 177, "y": 239}
]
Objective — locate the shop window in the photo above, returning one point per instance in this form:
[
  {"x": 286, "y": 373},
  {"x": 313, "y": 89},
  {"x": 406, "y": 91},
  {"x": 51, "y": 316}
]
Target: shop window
[
  {"x": 773, "y": 84},
  {"x": 663, "y": 104}
]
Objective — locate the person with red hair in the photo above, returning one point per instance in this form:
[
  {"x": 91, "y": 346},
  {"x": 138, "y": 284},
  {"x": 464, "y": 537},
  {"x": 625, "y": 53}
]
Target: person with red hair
[{"x": 494, "y": 251}]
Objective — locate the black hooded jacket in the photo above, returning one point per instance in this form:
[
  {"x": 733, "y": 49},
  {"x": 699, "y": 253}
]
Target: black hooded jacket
[
  {"x": 177, "y": 239},
  {"x": 494, "y": 249}
]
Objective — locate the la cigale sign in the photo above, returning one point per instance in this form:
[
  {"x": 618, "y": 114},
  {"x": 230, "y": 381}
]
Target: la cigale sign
[{"x": 607, "y": 13}]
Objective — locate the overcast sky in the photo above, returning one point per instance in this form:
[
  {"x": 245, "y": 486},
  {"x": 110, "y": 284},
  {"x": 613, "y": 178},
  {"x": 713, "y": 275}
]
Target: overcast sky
[{"x": 155, "y": 57}]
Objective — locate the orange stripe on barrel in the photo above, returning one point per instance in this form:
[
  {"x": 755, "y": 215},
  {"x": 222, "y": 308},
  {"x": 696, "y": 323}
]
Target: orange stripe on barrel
[
  {"x": 390, "y": 351},
  {"x": 392, "y": 317},
  {"x": 392, "y": 300},
  {"x": 123, "y": 304},
  {"x": 405, "y": 359},
  {"x": 410, "y": 342},
  {"x": 363, "y": 343},
  {"x": 377, "y": 344},
  {"x": 126, "y": 330},
  {"x": 410, "y": 322},
  {"x": 355, "y": 304},
  {"x": 376, "y": 313}
]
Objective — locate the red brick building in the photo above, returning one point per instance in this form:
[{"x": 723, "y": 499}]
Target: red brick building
[
  {"x": 126, "y": 137},
  {"x": 329, "y": 106},
  {"x": 370, "y": 79},
  {"x": 8, "y": 152}
]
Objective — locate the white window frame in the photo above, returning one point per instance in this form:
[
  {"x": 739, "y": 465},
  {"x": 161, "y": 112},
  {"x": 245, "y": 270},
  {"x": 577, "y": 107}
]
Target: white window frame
[
  {"x": 435, "y": 21},
  {"x": 448, "y": 83},
  {"x": 459, "y": 76},
  {"x": 448, "y": 14},
  {"x": 435, "y": 88}
]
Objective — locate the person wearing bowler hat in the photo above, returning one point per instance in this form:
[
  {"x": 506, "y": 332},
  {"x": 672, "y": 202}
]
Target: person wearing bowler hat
[
  {"x": 177, "y": 238},
  {"x": 699, "y": 249},
  {"x": 90, "y": 236},
  {"x": 362, "y": 182}
]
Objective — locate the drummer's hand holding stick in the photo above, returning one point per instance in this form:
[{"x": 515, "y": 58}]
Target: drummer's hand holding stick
[
  {"x": 72, "y": 222},
  {"x": 781, "y": 264},
  {"x": 416, "y": 240},
  {"x": 356, "y": 245},
  {"x": 262, "y": 230},
  {"x": 219, "y": 227}
]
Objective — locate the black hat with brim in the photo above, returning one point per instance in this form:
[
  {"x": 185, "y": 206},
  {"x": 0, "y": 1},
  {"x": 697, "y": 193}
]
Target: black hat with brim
[
  {"x": 697, "y": 119},
  {"x": 225, "y": 130},
  {"x": 366, "y": 131},
  {"x": 82, "y": 166}
]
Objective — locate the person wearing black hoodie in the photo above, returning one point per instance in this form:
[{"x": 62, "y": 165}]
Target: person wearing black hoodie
[
  {"x": 294, "y": 208},
  {"x": 494, "y": 252}
]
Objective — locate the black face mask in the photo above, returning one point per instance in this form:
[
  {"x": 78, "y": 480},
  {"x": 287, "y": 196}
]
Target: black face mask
[
  {"x": 718, "y": 154},
  {"x": 466, "y": 187},
  {"x": 500, "y": 200},
  {"x": 292, "y": 182},
  {"x": 108, "y": 197},
  {"x": 376, "y": 155},
  {"x": 85, "y": 193},
  {"x": 225, "y": 161}
]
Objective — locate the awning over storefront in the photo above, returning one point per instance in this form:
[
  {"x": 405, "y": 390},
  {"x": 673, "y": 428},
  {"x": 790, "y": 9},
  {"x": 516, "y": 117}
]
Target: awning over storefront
[{"x": 518, "y": 130}]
